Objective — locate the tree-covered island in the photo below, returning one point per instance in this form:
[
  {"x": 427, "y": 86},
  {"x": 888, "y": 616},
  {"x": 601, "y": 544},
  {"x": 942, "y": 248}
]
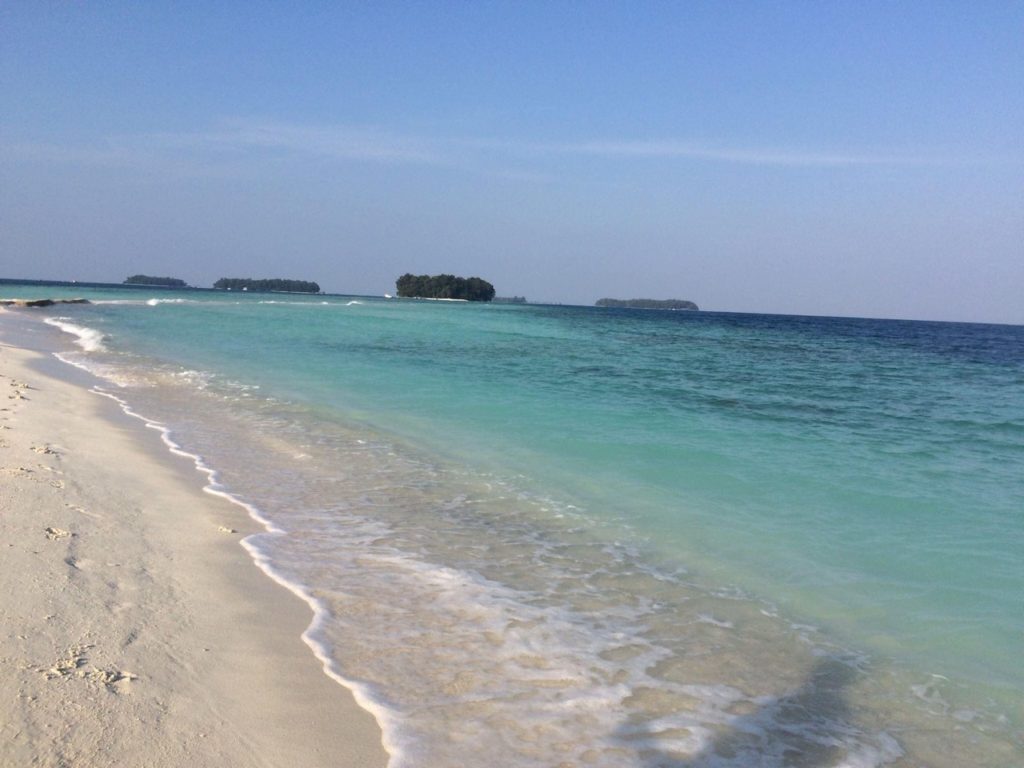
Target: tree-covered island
[
  {"x": 444, "y": 287},
  {"x": 163, "y": 282},
  {"x": 647, "y": 303},
  {"x": 274, "y": 284}
]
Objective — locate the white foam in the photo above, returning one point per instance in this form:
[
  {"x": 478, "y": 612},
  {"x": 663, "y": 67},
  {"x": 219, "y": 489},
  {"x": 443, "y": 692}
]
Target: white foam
[
  {"x": 362, "y": 693},
  {"x": 155, "y": 302},
  {"x": 83, "y": 362},
  {"x": 72, "y": 361},
  {"x": 88, "y": 339},
  {"x": 295, "y": 303},
  {"x": 213, "y": 485}
]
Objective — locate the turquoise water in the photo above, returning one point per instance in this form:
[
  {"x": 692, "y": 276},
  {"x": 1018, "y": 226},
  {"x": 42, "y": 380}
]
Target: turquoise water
[{"x": 616, "y": 537}]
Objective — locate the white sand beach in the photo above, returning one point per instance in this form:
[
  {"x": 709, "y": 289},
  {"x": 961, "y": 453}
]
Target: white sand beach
[{"x": 134, "y": 629}]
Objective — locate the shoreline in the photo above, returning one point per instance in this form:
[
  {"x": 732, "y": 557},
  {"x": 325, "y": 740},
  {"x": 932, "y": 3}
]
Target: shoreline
[{"x": 137, "y": 629}]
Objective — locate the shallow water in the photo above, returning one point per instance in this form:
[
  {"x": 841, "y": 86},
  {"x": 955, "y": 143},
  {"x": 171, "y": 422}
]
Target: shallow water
[{"x": 613, "y": 537}]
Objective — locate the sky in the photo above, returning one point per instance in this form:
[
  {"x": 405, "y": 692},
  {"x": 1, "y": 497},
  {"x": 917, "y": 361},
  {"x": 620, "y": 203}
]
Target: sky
[{"x": 825, "y": 158}]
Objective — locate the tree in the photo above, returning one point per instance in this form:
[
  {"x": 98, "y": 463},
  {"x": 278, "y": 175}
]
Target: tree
[
  {"x": 444, "y": 287},
  {"x": 166, "y": 282},
  {"x": 275, "y": 284}
]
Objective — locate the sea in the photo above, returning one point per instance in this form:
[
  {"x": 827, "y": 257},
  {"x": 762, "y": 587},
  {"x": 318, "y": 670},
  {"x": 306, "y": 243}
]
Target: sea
[{"x": 572, "y": 536}]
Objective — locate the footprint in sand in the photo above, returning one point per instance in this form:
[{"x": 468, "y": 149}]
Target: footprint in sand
[
  {"x": 74, "y": 658},
  {"x": 45, "y": 449},
  {"x": 114, "y": 680},
  {"x": 57, "y": 533},
  {"x": 31, "y": 474},
  {"x": 73, "y": 665}
]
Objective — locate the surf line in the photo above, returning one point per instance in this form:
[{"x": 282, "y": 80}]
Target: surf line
[{"x": 363, "y": 693}]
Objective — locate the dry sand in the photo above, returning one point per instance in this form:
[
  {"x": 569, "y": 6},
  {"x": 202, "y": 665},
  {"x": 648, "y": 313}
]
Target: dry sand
[{"x": 134, "y": 630}]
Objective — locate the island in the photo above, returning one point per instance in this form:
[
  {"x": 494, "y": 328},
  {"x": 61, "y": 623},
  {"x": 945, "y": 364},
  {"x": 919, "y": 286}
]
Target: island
[
  {"x": 271, "y": 285},
  {"x": 647, "y": 304},
  {"x": 447, "y": 287},
  {"x": 163, "y": 282},
  {"x": 509, "y": 300}
]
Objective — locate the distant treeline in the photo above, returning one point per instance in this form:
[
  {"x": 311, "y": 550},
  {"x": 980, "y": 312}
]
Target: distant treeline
[
  {"x": 647, "y": 303},
  {"x": 166, "y": 282},
  {"x": 275, "y": 284},
  {"x": 79, "y": 284},
  {"x": 444, "y": 287}
]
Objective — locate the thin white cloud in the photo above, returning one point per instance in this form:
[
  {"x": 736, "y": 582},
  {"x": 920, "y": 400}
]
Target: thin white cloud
[
  {"x": 228, "y": 144},
  {"x": 686, "y": 150},
  {"x": 682, "y": 150},
  {"x": 232, "y": 142}
]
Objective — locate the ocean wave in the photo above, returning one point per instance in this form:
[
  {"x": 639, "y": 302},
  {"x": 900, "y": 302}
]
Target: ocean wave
[
  {"x": 89, "y": 339},
  {"x": 301, "y": 303},
  {"x": 147, "y": 302},
  {"x": 155, "y": 302}
]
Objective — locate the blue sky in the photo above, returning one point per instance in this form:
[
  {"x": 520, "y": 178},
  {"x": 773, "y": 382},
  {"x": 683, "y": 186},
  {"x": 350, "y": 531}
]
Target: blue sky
[{"x": 821, "y": 158}]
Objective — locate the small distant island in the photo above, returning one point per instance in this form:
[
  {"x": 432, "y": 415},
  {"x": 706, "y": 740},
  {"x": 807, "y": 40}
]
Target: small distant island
[
  {"x": 274, "y": 284},
  {"x": 647, "y": 304},
  {"x": 447, "y": 287},
  {"x": 509, "y": 300},
  {"x": 164, "y": 282}
]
